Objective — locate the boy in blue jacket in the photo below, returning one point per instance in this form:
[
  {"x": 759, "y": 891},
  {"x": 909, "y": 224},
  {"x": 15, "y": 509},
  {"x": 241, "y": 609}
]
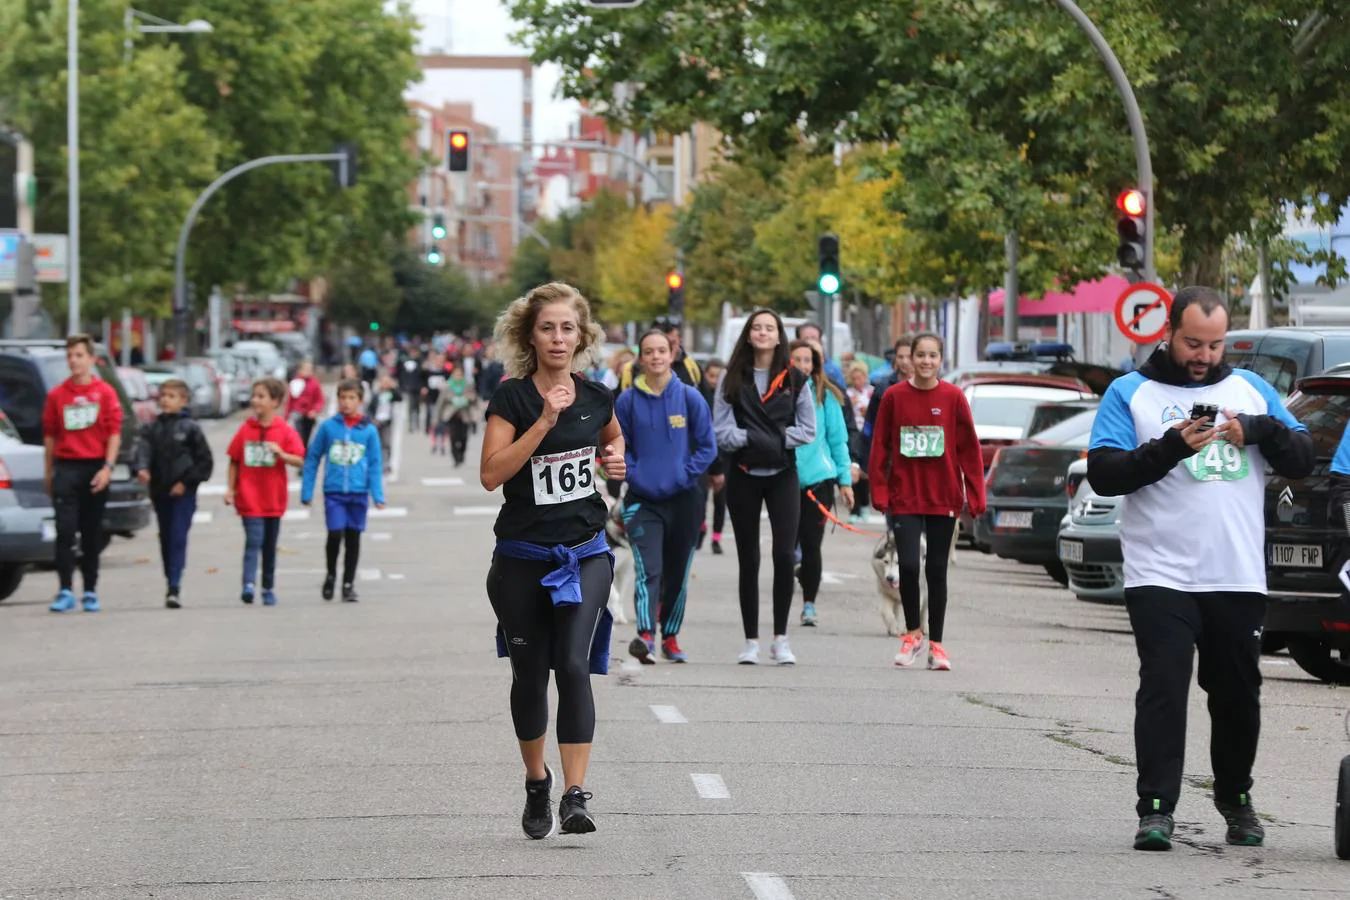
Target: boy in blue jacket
[{"x": 352, "y": 478}]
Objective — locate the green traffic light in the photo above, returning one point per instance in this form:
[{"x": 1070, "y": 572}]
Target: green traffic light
[
  {"x": 374, "y": 326},
  {"x": 438, "y": 231},
  {"x": 433, "y": 257},
  {"x": 829, "y": 283}
]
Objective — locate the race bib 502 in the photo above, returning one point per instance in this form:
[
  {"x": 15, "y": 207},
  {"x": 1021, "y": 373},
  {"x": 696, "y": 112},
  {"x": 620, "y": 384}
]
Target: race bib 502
[
  {"x": 257, "y": 455},
  {"x": 346, "y": 453},
  {"x": 560, "y": 477},
  {"x": 922, "y": 441},
  {"x": 79, "y": 416},
  {"x": 1220, "y": 461}
]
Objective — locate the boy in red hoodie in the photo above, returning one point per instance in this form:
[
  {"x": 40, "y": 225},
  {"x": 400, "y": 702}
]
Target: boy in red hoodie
[
  {"x": 305, "y": 404},
  {"x": 259, "y": 454}
]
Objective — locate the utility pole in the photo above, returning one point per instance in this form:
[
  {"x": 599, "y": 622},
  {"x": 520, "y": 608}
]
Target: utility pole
[
  {"x": 1011, "y": 289},
  {"x": 73, "y": 164}
]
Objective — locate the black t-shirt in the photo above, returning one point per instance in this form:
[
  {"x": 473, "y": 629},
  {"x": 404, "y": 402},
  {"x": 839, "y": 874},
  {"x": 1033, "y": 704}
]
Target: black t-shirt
[{"x": 553, "y": 499}]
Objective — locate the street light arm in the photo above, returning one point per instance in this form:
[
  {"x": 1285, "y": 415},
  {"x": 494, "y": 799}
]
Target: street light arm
[{"x": 582, "y": 145}]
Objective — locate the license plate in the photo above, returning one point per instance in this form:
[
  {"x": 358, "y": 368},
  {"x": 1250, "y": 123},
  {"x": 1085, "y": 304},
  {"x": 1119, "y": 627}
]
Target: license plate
[
  {"x": 1294, "y": 556},
  {"x": 121, "y": 472},
  {"x": 1009, "y": 519},
  {"x": 1071, "y": 551},
  {"x": 48, "y": 530}
]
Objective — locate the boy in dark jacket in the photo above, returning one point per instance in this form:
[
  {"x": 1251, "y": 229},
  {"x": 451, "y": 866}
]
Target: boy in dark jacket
[{"x": 173, "y": 458}]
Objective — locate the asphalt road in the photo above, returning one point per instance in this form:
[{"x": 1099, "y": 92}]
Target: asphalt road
[{"x": 328, "y": 750}]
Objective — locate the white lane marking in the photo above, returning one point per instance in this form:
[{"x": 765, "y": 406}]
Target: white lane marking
[
  {"x": 710, "y": 787},
  {"x": 442, "y": 482},
  {"x": 369, "y": 574},
  {"x": 396, "y": 576},
  {"x": 835, "y": 577},
  {"x": 477, "y": 510},
  {"x": 767, "y": 886},
  {"x": 668, "y": 715},
  {"x": 389, "y": 512},
  {"x": 202, "y": 518},
  {"x": 295, "y": 515},
  {"x": 1266, "y": 661},
  {"x": 380, "y": 535}
]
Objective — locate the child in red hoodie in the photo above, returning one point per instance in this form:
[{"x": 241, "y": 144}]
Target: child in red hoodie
[
  {"x": 925, "y": 466},
  {"x": 259, "y": 454}
]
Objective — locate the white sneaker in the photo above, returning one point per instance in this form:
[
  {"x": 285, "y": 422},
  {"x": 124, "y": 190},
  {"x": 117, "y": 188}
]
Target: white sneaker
[
  {"x": 750, "y": 655},
  {"x": 780, "y": 652}
]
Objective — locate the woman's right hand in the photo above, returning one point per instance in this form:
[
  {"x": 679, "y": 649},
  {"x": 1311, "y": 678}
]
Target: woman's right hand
[{"x": 555, "y": 401}]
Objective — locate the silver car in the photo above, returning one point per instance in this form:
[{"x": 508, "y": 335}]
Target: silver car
[
  {"x": 27, "y": 520},
  {"x": 1089, "y": 543}
]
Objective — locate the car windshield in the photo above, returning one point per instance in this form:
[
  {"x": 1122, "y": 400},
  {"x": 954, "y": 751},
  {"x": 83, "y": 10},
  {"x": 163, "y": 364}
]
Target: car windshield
[
  {"x": 1011, "y": 406},
  {"x": 1075, "y": 432},
  {"x": 1324, "y": 412},
  {"x": 1279, "y": 370}
]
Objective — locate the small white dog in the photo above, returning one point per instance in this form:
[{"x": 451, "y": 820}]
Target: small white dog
[
  {"x": 621, "y": 589},
  {"x": 886, "y": 567}
]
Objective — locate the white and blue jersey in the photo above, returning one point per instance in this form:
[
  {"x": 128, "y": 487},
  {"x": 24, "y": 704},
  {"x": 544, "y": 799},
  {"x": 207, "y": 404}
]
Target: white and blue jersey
[{"x": 1201, "y": 526}]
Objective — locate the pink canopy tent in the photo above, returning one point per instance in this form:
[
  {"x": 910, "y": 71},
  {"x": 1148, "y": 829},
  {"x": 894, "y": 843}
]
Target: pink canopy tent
[{"x": 1086, "y": 297}]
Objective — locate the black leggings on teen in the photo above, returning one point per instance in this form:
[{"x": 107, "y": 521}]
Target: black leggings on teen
[
  {"x": 811, "y": 534},
  {"x": 541, "y": 636},
  {"x": 352, "y": 538},
  {"x": 746, "y": 495},
  {"x": 939, "y": 530}
]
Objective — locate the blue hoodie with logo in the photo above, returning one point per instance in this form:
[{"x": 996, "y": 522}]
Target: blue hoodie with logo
[
  {"x": 668, "y": 438},
  {"x": 355, "y": 464}
]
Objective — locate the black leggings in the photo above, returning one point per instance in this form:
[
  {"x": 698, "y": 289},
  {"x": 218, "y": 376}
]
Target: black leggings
[
  {"x": 541, "y": 636},
  {"x": 939, "y": 530},
  {"x": 352, "y": 538},
  {"x": 810, "y": 534},
  {"x": 746, "y": 495}
]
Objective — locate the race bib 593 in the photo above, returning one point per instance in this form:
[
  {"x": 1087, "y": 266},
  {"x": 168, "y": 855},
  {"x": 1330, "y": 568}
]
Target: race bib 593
[
  {"x": 922, "y": 441},
  {"x": 257, "y": 455},
  {"x": 346, "y": 453},
  {"x": 79, "y": 416},
  {"x": 1220, "y": 461},
  {"x": 560, "y": 477}
]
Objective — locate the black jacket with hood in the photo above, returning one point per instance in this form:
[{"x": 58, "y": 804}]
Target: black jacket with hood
[{"x": 173, "y": 449}]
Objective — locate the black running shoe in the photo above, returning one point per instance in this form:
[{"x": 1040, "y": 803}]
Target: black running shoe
[
  {"x": 349, "y": 593},
  {"x": 1244, "y": 828},
  {"x": 717, "y": 548},
  {"x": 328, "y": 587},
  {"x": 1155, "y": 832},
  {"x": 172, "y": 600},
  {"x": 538, "y": 820},
  {"x": 572, "y": 811},
  {"x": 643, "y": 648}
]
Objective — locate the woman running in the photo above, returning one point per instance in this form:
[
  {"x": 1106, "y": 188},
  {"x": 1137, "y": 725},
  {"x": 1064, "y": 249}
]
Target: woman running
[
  {"x": 820, "y": 465},
  {"x": 551, "y": 570},
  {"x": 669, "y": 443},
  {"x": 762, "y": 413},
  {"x": 925, "y": 466}
]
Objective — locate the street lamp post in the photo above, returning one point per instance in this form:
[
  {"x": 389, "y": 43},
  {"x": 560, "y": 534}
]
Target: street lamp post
[{"x": 156, "y": 25}]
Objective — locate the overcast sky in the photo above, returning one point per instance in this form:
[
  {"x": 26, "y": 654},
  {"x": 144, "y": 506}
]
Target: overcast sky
[{"x": 483, "y": 28}]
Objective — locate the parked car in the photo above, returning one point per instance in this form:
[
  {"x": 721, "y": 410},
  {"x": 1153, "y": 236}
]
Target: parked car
[
  {"x": 1284, "y": 355},
  {"x": 27, "y": 520},
  {"x": 1047, "y": 414},
  {"x": 237, "y": 368},
  {"x": 222, "y": 390},
  {"x": 138, "y": 391},
  {"x": 1001, "y": 405},
  {"x": 1089, "y": 541},
  {"x": 1309, "y": 608},
  {"x": 1027, "y": 494},
  {"x": 270, "y": 360},
  {"x": 203, "y": 399},
  {"x": 28, "y": 370}
]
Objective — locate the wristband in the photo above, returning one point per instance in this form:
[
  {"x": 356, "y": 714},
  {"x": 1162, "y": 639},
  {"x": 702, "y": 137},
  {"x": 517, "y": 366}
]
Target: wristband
[{"x": 107, "y": 465}]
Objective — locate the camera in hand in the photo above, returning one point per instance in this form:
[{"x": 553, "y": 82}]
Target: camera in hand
[{"x": 1209, "y": 411}]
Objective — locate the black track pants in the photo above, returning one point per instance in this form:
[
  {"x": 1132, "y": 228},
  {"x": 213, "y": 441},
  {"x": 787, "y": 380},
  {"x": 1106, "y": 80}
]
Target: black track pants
[
  {"x": 938, "y": 530},
  {"x": 78, "y": 510},
  {"x": 811, "y": 534},
  {"x": 746, "y": 496}
]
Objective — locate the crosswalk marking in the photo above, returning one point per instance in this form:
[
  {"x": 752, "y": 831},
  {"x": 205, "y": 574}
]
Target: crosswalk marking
[
  {"x": 202, "y": 518},
  {"x": 767, "y": 886},
  {"x": 477, "y": 510},
  {"x": 442, "y": 482},
  {"x": 389, "y": 512},
  {"x": 295, "y": 515},
  {"x": 668, "y": 715},
  {"x": 710, "y": 787}
]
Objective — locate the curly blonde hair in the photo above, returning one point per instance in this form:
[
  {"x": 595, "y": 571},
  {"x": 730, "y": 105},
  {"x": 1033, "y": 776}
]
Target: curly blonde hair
[{"x": 516, "y": 324}]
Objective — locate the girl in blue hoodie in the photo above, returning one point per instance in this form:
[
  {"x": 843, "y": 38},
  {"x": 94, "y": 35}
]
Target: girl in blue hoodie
[
  {"x": 353, "y": 476},
  {"x": 669, "y": 444},
  {"x": 821, "y": 464}
]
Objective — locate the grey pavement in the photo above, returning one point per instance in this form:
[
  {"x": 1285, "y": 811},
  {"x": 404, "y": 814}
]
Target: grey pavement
[{"x": 328, "y": 750}]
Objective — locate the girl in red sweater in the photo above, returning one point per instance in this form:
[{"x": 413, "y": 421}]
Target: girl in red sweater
[{"x": 925, "y": 466}]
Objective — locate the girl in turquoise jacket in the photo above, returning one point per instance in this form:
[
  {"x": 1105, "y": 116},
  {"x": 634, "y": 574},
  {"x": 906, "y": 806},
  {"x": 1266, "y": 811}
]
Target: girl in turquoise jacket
[{"x": 821, "y": 464}]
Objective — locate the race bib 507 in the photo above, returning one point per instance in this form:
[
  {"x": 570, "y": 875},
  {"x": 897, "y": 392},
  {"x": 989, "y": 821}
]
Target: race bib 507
[
  {"x": 921, "y": 441},
  {"x": 560, "y": 477}
]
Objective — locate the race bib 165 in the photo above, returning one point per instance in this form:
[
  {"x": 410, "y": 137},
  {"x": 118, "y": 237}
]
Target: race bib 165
[{"x": 560, "y": 477}]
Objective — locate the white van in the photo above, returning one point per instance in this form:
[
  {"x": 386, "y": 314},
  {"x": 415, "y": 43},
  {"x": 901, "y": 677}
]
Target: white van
[
  {"x": 731, "y": 330},
  {"x": 267, "y": 354}
]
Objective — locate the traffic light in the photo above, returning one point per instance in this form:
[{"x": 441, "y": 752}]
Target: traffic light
[
  {"x": 438, "y": 226},
  {"x": 827, "y": 248},
  {"x": 1131, "y": 227},
  {"x": 675, "y": 293},
  {"x": 434, "y": 257},
  {"x": 374, "y": 326},
  {"x": 457, "y": 154}
]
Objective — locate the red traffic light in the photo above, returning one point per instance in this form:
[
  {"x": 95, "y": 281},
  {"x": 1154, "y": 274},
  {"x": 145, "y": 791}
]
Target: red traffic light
[
  {"x": 674, "y": 281},
  {"x": 1131, "y": 202},
  {"x": 459, "y": 140}
]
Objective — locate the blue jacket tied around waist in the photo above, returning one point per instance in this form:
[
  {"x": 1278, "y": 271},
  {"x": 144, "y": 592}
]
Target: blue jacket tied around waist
[{"x": 564, "y": 585}]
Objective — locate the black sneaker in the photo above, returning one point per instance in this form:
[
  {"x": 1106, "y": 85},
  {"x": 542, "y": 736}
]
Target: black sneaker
[
  {"x": 172, "y": 600},
  {"x": 1244, "y": 828},
  {"x": 349, "y": 593},
  {"x": 328, "y": 587},
  {"x": 538, "y": 820},
  {"x": 572, "y": 811},
  {"x": 643, "y": 648},
  {"x": 1155, "y": 832},
  {"x": 717, "y": 548},
  {"x": 247, "y": 594}
]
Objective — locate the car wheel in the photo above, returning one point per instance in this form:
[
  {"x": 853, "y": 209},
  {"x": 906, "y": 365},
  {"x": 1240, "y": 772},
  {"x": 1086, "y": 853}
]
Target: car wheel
[
  {"x": 10, "y": 576},
  {"x": 1273, "y": 643},
  {"x": 1316, "y": 657},
  {"x": 1056, "y": 571}
]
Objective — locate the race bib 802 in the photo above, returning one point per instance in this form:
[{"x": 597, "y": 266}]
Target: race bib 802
[
  {"x": 922, "y": 441},
  {"x": 560, "y": 477},
  {"x": 257, "y": 455},
  {"x": 79, "y": 416}
]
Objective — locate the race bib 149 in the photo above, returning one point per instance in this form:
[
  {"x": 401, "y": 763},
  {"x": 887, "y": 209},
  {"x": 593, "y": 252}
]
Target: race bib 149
[
  {"x": 1220, "y": 461},
  {"x": 257, "y": 455},
  {"x": 560, "y": 477},
  {"x": 922, "y": 441},
  {"x": 79, "y": 416}
]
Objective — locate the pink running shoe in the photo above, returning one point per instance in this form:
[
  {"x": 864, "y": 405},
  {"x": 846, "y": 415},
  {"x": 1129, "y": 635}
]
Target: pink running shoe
[
  {"x": 911, "y": 645},
  {"x": 937, "y": 658}
]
